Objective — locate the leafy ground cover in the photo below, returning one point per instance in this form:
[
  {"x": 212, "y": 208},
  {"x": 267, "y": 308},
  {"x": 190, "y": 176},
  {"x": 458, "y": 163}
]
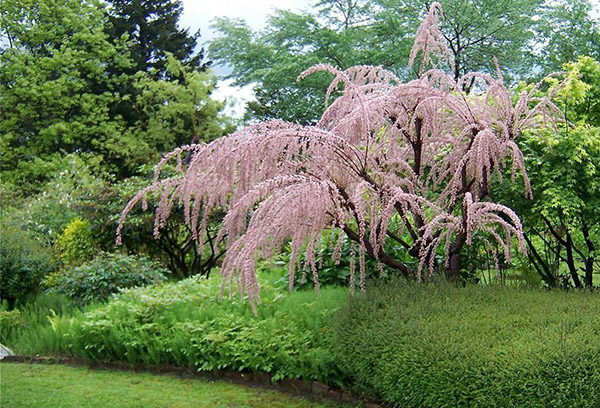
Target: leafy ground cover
[
  {"x": 38, "y": 386},
  {"x": 438, "y": 345},
  {"x": 184, "y": 323},
  {"x": 409, "y": 344}
]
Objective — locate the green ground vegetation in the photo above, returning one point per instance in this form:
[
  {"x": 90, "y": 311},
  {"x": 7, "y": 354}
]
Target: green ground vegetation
[
  {"x": 410, "y": 344},
  {"x": 39, "y": 386},
  {"x": 438, "y": 345}
]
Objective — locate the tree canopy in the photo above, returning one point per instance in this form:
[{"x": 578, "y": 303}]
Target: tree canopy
[
  {"x": 56, "y": 88},
  {"x": 152, "y": 30},
  {"x": 379, "y": 32},
  {"x": 562, "y": 223},
  {"x": 67, "y": 87}
]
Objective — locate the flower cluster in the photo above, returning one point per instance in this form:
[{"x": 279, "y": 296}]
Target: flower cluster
[{"x": 389, "y": 161}]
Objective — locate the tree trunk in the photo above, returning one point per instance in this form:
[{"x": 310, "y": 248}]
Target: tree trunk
[
  {"x": 453, "y": 273},
  {"x": 542, "y": 268},
  {"x": 589, "y": 261},
  {"x": 571, "y": 262}
]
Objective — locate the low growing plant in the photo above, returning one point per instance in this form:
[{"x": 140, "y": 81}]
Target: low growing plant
[
  {"x": 436, "y": 345},
  {"x": 38, "y": 327},
  {"x": 24, "y": 261},
  {"x": 185, "y": 324},
  {"x": 105, "y": 275}
]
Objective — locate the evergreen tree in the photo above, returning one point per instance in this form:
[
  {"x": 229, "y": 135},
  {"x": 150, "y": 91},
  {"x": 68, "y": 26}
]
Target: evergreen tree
[
  {"x": 151, "y": 26},
  {"x": 57, "y": 90}
]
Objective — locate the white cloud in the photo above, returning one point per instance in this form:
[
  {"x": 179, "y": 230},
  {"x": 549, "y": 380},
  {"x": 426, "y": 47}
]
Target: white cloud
[{"x": 235, "y": 97}]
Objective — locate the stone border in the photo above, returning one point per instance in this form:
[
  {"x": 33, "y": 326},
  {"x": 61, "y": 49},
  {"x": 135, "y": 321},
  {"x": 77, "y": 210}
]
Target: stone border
[{"x": 313, "y": 390}]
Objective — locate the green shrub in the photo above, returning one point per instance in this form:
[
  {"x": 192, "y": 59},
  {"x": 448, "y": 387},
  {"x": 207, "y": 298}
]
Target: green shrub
[
  {"x": 436, "y": 345},
  {"x": 39, "y": 326},
  {"x": 10, "y": 321},
  {"x": 24, "y": 261},
  {"x": 183, "y": 323},
  {"x": 76, "y": 243},
  {"x": 105, "y": 275},
  {"x": 331, "y": 273}
]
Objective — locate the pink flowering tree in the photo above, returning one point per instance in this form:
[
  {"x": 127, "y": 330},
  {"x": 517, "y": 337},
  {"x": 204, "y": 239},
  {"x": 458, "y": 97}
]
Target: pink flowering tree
[{"x": 389, "y": 162}]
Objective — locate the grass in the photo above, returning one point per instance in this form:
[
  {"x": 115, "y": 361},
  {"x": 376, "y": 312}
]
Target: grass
[{"x": 56, "y": 386}]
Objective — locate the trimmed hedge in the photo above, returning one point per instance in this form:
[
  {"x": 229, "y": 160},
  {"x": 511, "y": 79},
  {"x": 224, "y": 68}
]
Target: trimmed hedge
[{"x": 436, "y": 345}]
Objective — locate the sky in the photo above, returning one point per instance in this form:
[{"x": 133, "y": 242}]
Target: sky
[{"x": 197, "y": 14}]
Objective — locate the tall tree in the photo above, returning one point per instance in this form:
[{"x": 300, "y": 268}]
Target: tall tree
[
  {"x": 477, "y": 31},
  {"x": 56, "y": 89},
  {"x": 151, "y": 26},
  {"x": 63, "y": 88},
  {"x": 567, "y": 30},
  {"x": 562, "y": 223},
  {"x": 273, "y": 58},
  {"x": 378, "y": 32},
  {"x": 391, "y": 165}
]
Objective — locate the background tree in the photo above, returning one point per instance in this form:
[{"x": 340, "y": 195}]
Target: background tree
[
  {"x": 478, "y": 31},
  {"x": 57, "y": 90},
  {"x": 379, "y": 32},
  {"x": 566, "y": 32},
  {"x": 178, "y": 109},
  {"x": 273, "y": 58},
  {"x": 63, "y": 86},
  {"x": 562, "y": 223},
  {"x": 152, "y": 30},
  {"x": 69, "y": 149}
]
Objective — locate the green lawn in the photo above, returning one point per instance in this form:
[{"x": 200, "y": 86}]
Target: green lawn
[{"x": 56, "y": 386}]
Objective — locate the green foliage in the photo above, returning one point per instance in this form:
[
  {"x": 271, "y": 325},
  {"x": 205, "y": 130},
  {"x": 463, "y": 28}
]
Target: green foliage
[
  {"x": 68, "y": 87},
  {"x": 569, "y": 31},
  {"x": 562, "y": 222},
  {"x": 152, "y": 31},
  {"x": 24, "y": 261},
  {"x": 72, "y": 182},
  {"x": 183, "y": 323},
  {"x": 379, "y": 32},
  {"x": 437, "y": 345},
  {"x": 178, "y": 110},
  {"x": 331, "y": 273},
  {"x": 10, "y": 321},
  {"x": 105, "y": 275},
  {"x": 76, "y": 243},
  {"x": 79, "y": 188},
  {"x": 39, "y": 326},
  {"x": 273, "y": 58},
  {"x": 57, "y": 88}
]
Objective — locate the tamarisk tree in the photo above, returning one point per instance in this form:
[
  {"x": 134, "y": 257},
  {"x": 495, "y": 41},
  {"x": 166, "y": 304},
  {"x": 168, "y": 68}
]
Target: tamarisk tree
[{"x": 408, "y": 164}]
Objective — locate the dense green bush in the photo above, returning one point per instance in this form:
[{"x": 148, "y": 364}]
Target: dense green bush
[
  {"x": 24, "y": 261},
  {"x": 436, "y": 345},
  {"x": 183, "y": 323},
  {"x": 105, "y": 275},
  {"x": 76, "y": 243},
  {"x": 332, "y": 272}
]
